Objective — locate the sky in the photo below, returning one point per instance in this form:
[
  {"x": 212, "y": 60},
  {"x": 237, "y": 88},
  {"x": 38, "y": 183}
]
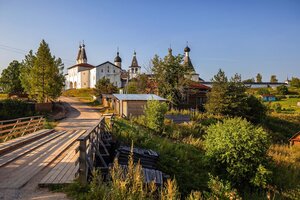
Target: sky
[{"x": 245, "y": 37}]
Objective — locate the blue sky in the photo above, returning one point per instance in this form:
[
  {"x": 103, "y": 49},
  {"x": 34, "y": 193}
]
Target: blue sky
[{"x": 244, "y": 37}]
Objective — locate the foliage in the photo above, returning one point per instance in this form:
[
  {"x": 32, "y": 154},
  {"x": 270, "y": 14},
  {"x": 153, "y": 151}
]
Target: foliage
[
  {"x": 131, "y": 88},
  {"x": 237, "y": 149},
  {"x": 10, "y": 78},
  {"x": 125, "y": 185},
  {"x": 142, "y": 82},
  {"x": 273, "y": 79},
  {"x": 11, "y": 109},
  {"x": 282, "y": 90},
  {"x": 220, "y": 190},
  {"x": 250, "y": 80},
  {"x": 177, "y": 159},
  {"x": 155, "y": 114},
  {"x": 104, "y": 86},
  {"x": 295, "y": 82},
  {"x": 217, "y": 102},
  {"x": 230, "y": 98},
  {"x": 263, "y": 91},
  {"x": 168, "y": 72},
  {"x": 258, "y": 78},
  {"x": 41, "y": 76},
  {"x": 286, "y": 173}
]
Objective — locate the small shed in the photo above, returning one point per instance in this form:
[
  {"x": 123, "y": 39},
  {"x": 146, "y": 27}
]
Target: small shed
[
  {"x": 127, "y": 105},
  {"x": 268, "y": 97},
  {"x": 295, "y": 139}
]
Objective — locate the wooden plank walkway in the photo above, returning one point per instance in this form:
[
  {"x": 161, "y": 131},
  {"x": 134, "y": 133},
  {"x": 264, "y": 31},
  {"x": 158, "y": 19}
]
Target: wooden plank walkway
[
  {"x": 20, "y": 165},
  {"x": 65, "y": 170},
  {"x": 14, "y": 143}
]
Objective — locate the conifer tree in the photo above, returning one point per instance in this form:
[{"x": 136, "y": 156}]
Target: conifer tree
[{"x": 41, "y": 76}]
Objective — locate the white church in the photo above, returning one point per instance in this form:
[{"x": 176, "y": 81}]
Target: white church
[{"x": 84, "y": 75}]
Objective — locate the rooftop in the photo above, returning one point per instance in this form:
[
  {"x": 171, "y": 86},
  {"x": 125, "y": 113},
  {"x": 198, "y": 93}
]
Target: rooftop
[{"x": 139, "y": 97}]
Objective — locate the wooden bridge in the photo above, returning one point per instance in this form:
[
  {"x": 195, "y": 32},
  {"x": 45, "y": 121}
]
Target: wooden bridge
[{"x": 66, "y": 155}]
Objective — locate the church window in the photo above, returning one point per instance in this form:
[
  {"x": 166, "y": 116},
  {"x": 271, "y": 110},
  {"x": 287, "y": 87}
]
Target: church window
[
  {"x": 101, "y": 70},
  {"x": 114, "y": 71}
]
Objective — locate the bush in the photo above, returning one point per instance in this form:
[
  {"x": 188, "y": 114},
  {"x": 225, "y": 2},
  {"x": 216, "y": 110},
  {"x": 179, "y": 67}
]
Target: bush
[
  {"x": 11, "y": 109},
  {"x": 263, "y": 91},
  {"x": 283, "y": 90},
  {"x": 237, "y": 149},
  {"x": 155, "y": 114}
]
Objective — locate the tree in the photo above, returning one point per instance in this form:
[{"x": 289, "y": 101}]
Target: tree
[
  {"x": 263, "y": 91},
  {"x": 169, "y": 74},
  {"x": 217, "y": 102},
  {"x": 142, "y": 83},
  {"x": 104, "y": 86},
  {"x": 238, "y": 150},
  {"x": 250, "y": 80},
  {"x": 27, "y": 65},
  {"x": 10, "y": 78},
  {"x": 295, "y": 82},
  {"x": 230, "y": 98},
  {"x": 41, "y": 76},
  {"x": 155, "y": 114},
  {"x": 282, "y": 90},
  {"x": 132, "y": 88},
  {"x": 273, "y": 79},
  {"x": 258, "y": 78}
]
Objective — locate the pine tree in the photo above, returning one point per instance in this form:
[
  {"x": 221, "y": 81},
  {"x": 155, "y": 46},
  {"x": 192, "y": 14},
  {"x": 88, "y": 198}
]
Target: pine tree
[
  {"x": 41, "y": 76},
  {"x": 217, "y": 99}
]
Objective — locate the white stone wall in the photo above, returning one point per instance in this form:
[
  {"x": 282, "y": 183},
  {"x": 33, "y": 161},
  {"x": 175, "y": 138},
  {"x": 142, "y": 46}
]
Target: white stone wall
[{"x": 109, "y": 71}]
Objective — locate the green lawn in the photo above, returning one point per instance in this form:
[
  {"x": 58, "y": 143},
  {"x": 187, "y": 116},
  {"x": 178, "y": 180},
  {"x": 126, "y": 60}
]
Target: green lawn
[{"x": 288, "y": 105}]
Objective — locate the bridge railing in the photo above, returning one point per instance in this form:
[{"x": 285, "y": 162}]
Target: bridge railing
[
  {"x": 18, "y": 127},
  {"x": 92, "y": 148}
]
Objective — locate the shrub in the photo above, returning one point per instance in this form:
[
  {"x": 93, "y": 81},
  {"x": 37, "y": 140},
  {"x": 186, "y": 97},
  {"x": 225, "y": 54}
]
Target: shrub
[
  {"x": 10, "y": 109},
  {"x": 155, "y": 114},
  {"x": 263, "y": 91},
  {"x": 237, "y": 149},
  {"x": 283, "y": 90}
]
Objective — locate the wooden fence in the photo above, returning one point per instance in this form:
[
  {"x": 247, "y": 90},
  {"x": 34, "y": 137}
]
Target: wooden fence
[
  {"x": 18, "y": 127},
  {"x": 92, "y": 147}
]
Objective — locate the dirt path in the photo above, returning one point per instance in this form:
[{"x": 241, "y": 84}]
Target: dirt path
[{"x": 79, "y": 116}]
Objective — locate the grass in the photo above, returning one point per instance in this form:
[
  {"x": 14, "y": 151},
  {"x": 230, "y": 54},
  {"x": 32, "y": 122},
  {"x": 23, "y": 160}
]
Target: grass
[
  {"x": 186, "y": 162},
  {"x": 286, "y": 170},
  {"x": 3, "y": 96},
  {"x": 83, "y": 93},
  {"x": 288, "y": 105}
]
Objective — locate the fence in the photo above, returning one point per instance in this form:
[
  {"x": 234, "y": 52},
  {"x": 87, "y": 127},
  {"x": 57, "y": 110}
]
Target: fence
[
  {"x": 92, "y": 147},
  {"x": 18, "y": 127}
]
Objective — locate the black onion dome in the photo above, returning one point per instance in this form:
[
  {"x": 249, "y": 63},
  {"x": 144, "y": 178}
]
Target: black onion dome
[
  {"x": 187, "y": 49},
  {"x": 118, "y": 58}
]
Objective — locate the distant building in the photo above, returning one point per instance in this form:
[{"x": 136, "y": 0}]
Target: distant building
[
  {"x": 134, "y": 69},
  {"x": 295, "y": 139},
  {"x": 268, "y": 97},
  {"x": 192, "y": 75},
  {"x": 84, "y": 75},
  {"x": 127, "y": 105}
]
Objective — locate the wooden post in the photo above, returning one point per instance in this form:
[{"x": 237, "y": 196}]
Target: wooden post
[{"x": 82, "y": 162}]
